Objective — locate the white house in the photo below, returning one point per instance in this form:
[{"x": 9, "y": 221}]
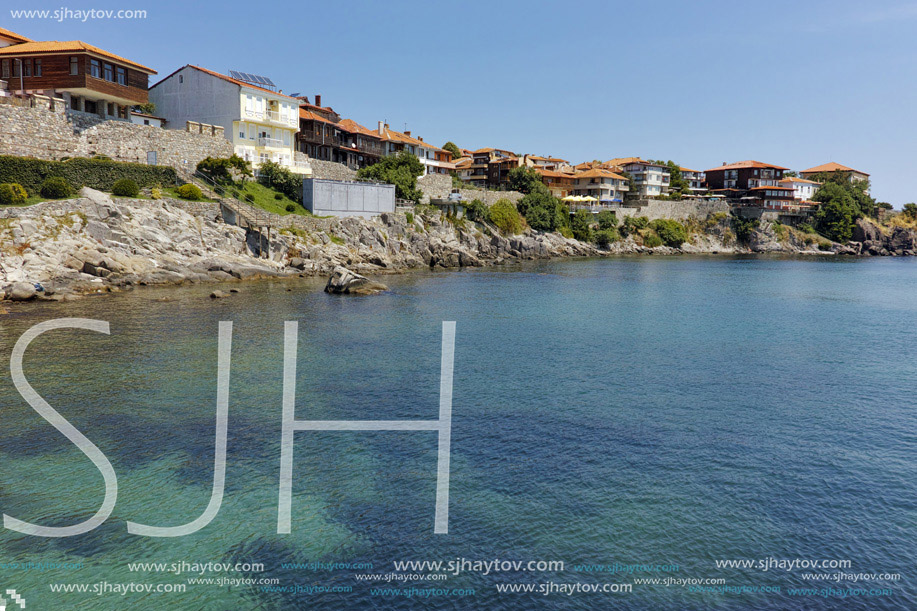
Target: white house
[
  {"x": 803, "y": 189},
  {"x": 651, "y": 179},
  {"x": 260, "y": 123},
  {"x": 142, "y": 118}
]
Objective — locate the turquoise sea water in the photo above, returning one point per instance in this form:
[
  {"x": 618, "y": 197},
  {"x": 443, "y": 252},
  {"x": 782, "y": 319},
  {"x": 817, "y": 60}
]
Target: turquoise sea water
[{"x": 670, "y": 411}]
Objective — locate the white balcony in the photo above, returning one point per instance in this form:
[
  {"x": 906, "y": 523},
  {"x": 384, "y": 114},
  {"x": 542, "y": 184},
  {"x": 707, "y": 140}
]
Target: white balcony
[{"x": 272, "y": 142}]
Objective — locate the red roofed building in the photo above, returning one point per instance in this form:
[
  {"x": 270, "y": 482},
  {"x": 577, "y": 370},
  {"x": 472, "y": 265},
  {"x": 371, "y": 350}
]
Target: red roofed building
[
  {"x": 88, "y": 78},
  {"x": 830, "y": 168},
  {"x": 735, "y": 180}
]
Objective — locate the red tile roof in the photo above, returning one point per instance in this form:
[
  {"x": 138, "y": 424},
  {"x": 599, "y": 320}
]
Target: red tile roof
[
  {"x": 57, "y": 46},
  {"x": 352, "y": 126},
  {"x": 831, "y": 167},
  {"x": 599, "y": 173},
  {"x": 748, "y": 164}
]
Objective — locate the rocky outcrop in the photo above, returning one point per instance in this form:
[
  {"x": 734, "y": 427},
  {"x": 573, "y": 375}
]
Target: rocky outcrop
[
  {"x": 345, "y": 282},
  {"x": 870, "y": 239}
]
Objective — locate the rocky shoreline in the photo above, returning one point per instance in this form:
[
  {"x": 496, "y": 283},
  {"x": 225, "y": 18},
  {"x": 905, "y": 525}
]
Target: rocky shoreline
[{"x": 66, "y": 249}]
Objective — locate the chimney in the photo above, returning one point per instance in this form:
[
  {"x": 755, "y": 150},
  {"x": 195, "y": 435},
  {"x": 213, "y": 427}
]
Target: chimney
[
  {"x": 407, "y": 133},
  {"x": 381, "y": 128},
  {"x": 419, "y": 138},
  {"x": 724, "y": 163},
  {"x": 318, "y": 99}
]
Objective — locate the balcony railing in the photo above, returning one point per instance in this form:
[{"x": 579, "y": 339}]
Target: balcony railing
[
  {"x": 275, "y": 142},
  {"x": 272, "y": 116}
]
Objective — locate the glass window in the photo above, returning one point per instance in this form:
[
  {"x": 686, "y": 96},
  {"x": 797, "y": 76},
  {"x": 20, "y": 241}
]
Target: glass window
[
  {"x": 95, "y": 68},
  {"x": 122, "y": 76},
  {"x": 15, "y": 69},
  {"x": 37, "y": 67},
  {"x": 27, "y": 67},
  {"x": 5, "y": 69},
  {"x": 74, "y": 65},
  {"x": 109, "y": 73}
]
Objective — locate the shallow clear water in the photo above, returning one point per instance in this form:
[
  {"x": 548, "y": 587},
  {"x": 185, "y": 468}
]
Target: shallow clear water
[{"x": 633, "y": 410}]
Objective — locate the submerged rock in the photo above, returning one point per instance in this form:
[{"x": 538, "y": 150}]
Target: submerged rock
[{"x": 345, "y": 282}]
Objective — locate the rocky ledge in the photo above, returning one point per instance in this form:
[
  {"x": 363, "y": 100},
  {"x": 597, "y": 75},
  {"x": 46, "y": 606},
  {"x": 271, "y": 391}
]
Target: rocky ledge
[{"x": 92, "y": 244}]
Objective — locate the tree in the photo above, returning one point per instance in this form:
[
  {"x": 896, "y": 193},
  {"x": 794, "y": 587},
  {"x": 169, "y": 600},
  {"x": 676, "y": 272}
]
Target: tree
[
  {"x": 544, "y": 212},
  {"x": 670, "y": 231},
  {"x": 910, "y": 211},
  {"x": 452, "y": 148},
  {"x": 581, "y": 225},
  {"x": 837, "y": 212},
  {"x": 836, "y": 183},
  {"x": 504, "y": 215},
  {"x": 632, "y": 192},
  {"x": 607, "y": 219},
  {"x": 789, "y": 174},
  {"x": 400, "y": 170},
  {"x": 279, "y": 178},
  {"x": 219, "y": 169},
  {"x": 148, "y": 108},
  {"x": 677, "y": 183},
  {"x": 526, "y": 180}
]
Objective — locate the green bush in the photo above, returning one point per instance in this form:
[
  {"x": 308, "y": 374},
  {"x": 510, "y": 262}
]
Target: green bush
[
  {"x": 156, "y": 193},
  {"x": 606, "y": 237},
  {"x": 504, "y": 215},
  {"x": 219, "y": 190},
  {"x": 275, "y": 176},
  {"x": 250, "y": 198},
  {"x": 56, "y": 187},
  {"x": 12, "y": 193},
  {"x": 125, "y": 188},
  {"x": 632, "y": 225},
  {"x": 98, "y": 174},
  {"x": 543, "y": 211},
  {"x": 410, "y": 217},
  {"x": 651, "y": 240},
  {"x": 672, "y": 233},
  {"x": 291, "y": 208},
  {"x": 607, "y": 219},
  {"x": 189, "y": 191},
  {"x": 278, "y": 196},
  {"x": 476, "y": 210},
  {"x": 744, "y": 227}
]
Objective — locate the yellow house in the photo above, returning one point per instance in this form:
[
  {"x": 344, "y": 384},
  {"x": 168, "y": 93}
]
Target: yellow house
[{"x": 260, "y": 123}]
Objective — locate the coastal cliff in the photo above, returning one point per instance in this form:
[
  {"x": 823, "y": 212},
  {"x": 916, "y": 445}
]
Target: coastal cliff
[{"x": 59, "y": 250}]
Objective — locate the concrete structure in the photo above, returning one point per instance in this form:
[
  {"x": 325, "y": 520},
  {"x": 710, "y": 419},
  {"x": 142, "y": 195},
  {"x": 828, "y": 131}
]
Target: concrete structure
[
  {"x": 652, "y": 179},
  {"x": 338, "y": 198},
  {"x": 88, "y": 78},
  {"x": 261, "y": 124},
  {"x": 142, "y": 118},
  {"x": 803, "y": 189}
]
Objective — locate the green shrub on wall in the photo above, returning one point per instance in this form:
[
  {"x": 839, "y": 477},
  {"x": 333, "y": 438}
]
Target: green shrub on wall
[
  {"x": 12, "y": 193},
  {"x": 125, "y": 188},
  {"x": 189, "y": 191},
  {"x": 56, "y": 187},
  {"x": 94, "y": 173}
]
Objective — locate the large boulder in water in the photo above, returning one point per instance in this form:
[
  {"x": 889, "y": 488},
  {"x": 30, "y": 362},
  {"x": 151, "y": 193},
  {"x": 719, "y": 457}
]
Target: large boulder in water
[{"x": 345, "y": 282}]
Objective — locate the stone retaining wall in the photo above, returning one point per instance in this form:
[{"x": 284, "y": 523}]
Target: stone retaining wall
[
  {"x": 678, "y": 210},
  {"x": 439, "y": 186},
  {"x": 330, "y": 170},
  {"x": 47, "y": 130}
]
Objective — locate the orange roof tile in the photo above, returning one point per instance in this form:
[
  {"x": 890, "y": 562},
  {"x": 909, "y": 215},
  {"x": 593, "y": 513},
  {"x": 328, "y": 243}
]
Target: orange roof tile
[
  {"x": 4, "y": 33},
  {"x": 354, "y": 127},
  {"x": 748, "y": 164},
  {"x": 831, "y": 167},
  {"x": 554, "y": 174},
  {"x": 771, "y": 187},
  {"x": 308, "y": 115},
  {"x": 599, "y": 173},
  {"x": 390, "y": 134},
  {"x": 57, "y": 46}
]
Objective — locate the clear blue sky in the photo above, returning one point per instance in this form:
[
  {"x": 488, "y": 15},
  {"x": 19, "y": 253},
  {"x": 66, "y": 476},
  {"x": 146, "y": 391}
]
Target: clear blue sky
[{"x": 791, "y": 83}]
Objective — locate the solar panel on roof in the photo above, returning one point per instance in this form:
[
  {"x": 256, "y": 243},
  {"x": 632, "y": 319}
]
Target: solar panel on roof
[{"x": 254, "y": 79}]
